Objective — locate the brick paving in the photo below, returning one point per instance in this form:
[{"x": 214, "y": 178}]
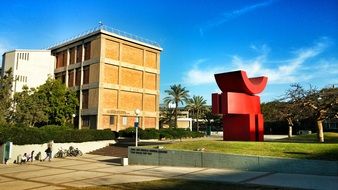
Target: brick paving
[{"x": 96, "y": 170}]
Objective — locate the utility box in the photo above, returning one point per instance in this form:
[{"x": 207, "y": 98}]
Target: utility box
[{"x": 6, "y": 150}]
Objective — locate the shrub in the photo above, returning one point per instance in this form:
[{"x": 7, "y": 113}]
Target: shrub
[
  {"x": 149, "y": 134},
  {"x": 170, "y": 133},
  {"x": 29, "y": 135},
  {"x": 129, "y": 132}
]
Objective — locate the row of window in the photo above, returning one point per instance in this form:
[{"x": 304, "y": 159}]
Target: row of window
[
  {"x": 75, "y": 55},
  {"x": 77, "y": 73},
  {"x": 86, "y": 120},
  {"x": 21, "y": 78},
  {"x": 24, "y": 56},
  {"x": 112, "y": 120}
]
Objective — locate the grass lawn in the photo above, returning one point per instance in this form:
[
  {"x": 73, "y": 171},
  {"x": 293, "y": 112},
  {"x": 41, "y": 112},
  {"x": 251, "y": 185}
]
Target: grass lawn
[
  {"x": 293, "y": 149},
  {"x": 330, "y": 137},
  {"x": 174, "y": 184}
]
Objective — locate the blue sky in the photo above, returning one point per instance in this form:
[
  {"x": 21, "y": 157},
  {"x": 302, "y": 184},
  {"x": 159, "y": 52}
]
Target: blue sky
[{"x": 289, "y": 41}]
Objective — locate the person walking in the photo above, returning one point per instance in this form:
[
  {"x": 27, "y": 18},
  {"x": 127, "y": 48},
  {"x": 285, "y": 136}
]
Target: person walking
[{"x": 49, "y": 151}]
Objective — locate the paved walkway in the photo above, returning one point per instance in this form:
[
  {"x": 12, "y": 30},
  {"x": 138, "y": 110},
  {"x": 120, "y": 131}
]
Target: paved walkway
[{"x": 94, "y": 170}]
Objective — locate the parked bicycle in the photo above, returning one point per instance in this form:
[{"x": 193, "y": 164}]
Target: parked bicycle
[
  {"x": 62, "y": 153},
  {"x": 74, "y": 152}
]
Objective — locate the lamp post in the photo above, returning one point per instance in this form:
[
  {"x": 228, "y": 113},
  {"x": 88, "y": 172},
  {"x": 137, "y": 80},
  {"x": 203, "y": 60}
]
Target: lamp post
[
  {"x": 73, "y": 116},
  {"x": 136, "y": 125}
]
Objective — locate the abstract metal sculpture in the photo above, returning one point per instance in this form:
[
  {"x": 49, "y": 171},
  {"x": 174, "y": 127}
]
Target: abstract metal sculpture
[{"x": 242, "y": 117}]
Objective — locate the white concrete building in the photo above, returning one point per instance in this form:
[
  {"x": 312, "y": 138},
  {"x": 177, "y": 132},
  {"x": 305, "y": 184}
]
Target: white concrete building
[{"x": 30, "y": 67}]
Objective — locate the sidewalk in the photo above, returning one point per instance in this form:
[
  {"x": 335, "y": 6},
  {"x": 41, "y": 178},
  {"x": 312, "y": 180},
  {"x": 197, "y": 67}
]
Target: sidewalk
[{"x": 94, "y": 170}]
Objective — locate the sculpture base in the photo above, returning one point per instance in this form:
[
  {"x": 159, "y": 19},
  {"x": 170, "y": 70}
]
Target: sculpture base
[{"x": 243, "y": 127}]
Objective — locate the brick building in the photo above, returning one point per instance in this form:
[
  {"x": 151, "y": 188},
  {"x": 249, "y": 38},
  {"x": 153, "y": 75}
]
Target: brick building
[{"x": 114, "y": 74}]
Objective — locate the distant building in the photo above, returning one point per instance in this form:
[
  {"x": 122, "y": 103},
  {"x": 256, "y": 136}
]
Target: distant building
[
  {"x": 29, "y": 67},
  {"x": 114, "y": 74},
  {"x": 183, "y": 119}
]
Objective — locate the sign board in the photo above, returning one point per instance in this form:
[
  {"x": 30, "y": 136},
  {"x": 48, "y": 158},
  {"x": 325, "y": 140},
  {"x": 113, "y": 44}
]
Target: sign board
[{"x": 135, "y": 124}]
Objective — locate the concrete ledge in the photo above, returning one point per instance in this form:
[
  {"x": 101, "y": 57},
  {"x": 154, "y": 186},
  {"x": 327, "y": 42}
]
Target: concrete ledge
[
  {"x": 85, "y": 147},
  {"x": 162, "y": 157}
]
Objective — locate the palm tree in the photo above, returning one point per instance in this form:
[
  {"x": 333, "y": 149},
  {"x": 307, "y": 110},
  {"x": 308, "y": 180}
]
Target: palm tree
[
  {"x": 197, "y": 105},
  {"x": 166, "y": 115},
  {"x": 176, "y": 94}
]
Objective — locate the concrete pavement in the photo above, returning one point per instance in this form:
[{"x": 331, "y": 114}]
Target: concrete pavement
[{"x": 95, "y": 170}]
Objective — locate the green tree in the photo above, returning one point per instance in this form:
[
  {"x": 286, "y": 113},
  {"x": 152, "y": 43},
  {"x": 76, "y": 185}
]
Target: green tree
[
  {"x": 196, "y": 105},
  {"x": 6, "y": 84},
  {"x": 324, "y": 105},
  {"x": 176, "y": 94},
  {"x": 166, "y": 115},
  {"x": 29, "y": 108},
  {"x": 213, "y": 120},
  {"x": 277, "y": 111},
  {"x": 61, "y": 102},
  {"x": 317, "y": 104}
]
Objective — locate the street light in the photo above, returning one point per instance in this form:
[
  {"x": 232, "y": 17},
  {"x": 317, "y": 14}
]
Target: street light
[
  {"x": 136, "y": 124},
  {"x": 73, "y": 116}
]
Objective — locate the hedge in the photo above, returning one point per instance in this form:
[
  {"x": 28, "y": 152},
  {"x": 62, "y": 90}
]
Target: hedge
[
  {"x": 32, "y": 135},
  {"x": 170, "y": 133}
]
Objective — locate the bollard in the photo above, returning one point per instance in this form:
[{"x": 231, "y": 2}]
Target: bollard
[{"x": 124, "y": 161}]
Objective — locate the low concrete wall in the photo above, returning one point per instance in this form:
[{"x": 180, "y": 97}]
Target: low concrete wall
[
  {"x": 85, "y": 147},
  {"x": 148, "y": 156}
]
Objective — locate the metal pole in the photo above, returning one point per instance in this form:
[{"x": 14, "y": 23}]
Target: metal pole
[{"x": 136, "y": 134}]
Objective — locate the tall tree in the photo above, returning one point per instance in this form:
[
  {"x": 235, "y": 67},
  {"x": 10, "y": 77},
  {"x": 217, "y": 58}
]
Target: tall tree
[
  {"x": 176, "y": 94},
  {"x": 196, "y": 105},
  {"x": 61, "y": 102},
  {"x": 278, "y": 110},
  {"x": 166, "y": 116},
  {"x": 6, "y": 90},
  {"x": 213, "y": 120},
  {"x": 319, "y": 105},
  {"x": 29, "y": 108},
  {"x": 324, "y": 105}
]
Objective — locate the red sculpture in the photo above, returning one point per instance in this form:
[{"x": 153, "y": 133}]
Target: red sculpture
[{"x": 242, "y": 117}]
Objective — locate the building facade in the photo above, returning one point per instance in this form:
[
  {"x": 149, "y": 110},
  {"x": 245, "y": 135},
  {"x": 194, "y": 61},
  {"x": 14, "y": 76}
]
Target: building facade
[
  {"x": 114, "y": 75},
  {"x": 29, "y": 67}
]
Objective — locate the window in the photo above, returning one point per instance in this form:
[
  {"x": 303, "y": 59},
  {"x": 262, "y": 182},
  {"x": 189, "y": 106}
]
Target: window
[
  {"x": 23, "y": 56},
  {"x": 78, "y": 77},
  {"x": 87, "y": 50},
  {"x": 86, "y": 75},
  {"x": 112, "y": 120},
  {"x": 70, "y": 78},
  {"x": 58, "y": 76},
  {"x": 72, "y": 56},
  {"x": 64, "y": 58},
  {"x": 79, "y": 54},
  {"x": 63, "y": 77},
  {"x": 85, "y": 121},
  {"x": 59, "y": 60},
  {"x": 85, "y": 99},
  {"x": 124, "y": 120}
]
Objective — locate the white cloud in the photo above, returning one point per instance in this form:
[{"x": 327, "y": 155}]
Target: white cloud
[
  {"x": 236, "y": 13},
  {"x": 287, "y": 71},
  {"x": 196, "y": 76},
  {"x": 230, "y": 15},
  {"x": 329, "y": 66},
  {"x": 284, "y": 71}
]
